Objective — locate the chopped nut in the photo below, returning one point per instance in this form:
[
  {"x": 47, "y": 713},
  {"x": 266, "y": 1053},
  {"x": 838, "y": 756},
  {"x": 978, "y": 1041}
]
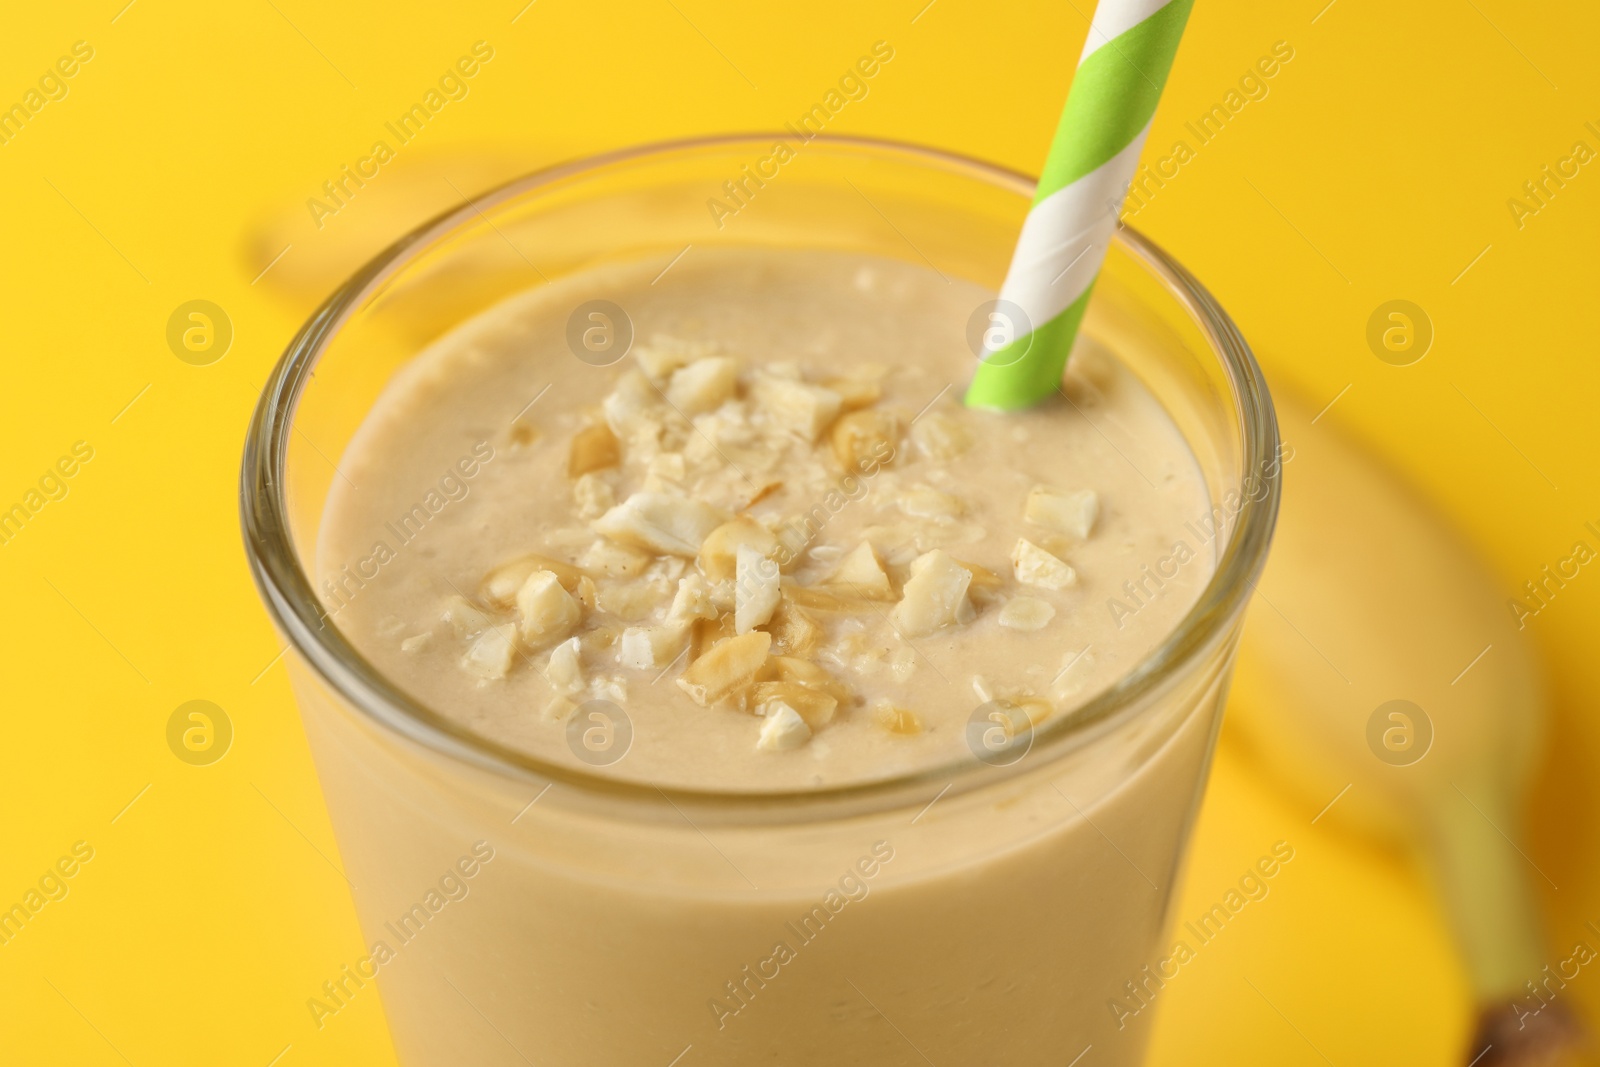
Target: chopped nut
[
  {"x": 725, "y": 668},
  {"x": 665, "y": 470},
  {"x": 630, "y": 601},
  {"x": 921, "y": 502},
  {"x": 755, "y": 590},
  {"x": 1026, "y": 613},
  {"x": 792, "y": 630},
  {"x": 465, "y": 616},
  {"x": 652, "y": 647},
  {"x": 593, "y": 496},
  {"x": 587, "y": 594},
  {"x": 614, "y": 560},
  {"x": 795, "y": 407},
  {"x": 824, "y": 600},
  {"x": 862, "y": 574},
  {"x": 863, "y": 441},
  {"x": 692, "y": 601},
  {"x": 594, "y": 448},
  {"x": 708, "y": 633},
  {"x": 719, "y": 552},
  {"x": 783, "y": 729},
  {"x": 1034, "y": 566},
  {"x": 896, "y": 720},
  {"x": 703, "y": 385},
  {"x": 806, "y": 673},
  {"x": 564, "y": 671},
  {"x": 489, "y": 657},
  {"x": 661, "y": 357},
  {"x": 985, "y": 582},
  {"x": 501, "y": 585},
  {"x": 546, "y": 613},
  {"x": 1071, "y": 513},
  {"x": 939, "y": 436},
  {"x": 934, "y": 596},
  {"x": 660, "y": 522},
  {"x": 855, "y": 393},
  {"x": 814, "y": 706},
  {"x": 629, "y": 402}
]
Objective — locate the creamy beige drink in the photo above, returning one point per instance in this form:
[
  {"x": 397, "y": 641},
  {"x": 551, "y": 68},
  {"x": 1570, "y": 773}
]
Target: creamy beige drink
[
  {"x": 773, "y": 538},
  {"x": 770, "y": 534}
]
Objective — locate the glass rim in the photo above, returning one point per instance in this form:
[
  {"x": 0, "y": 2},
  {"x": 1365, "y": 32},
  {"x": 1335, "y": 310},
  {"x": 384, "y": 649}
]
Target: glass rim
[{"x": 297, "y": 612}]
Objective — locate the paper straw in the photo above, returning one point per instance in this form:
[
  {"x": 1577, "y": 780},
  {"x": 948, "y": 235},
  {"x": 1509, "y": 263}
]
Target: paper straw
[{"x": 1064, "y": 239}]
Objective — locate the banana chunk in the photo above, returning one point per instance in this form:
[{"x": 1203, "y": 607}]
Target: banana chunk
[
  {"x": 935, "y": 596},
  {"x": 1072, "y": 513},
  {"x": 755, "y": 590},
  {"x": 703, "y": 385},
  {"x": 546, "y": 612},
  {"x": 719, "y": 552},
  {"x": 692, "y": 600},
  {"x": 783, "y": 729},
  {"x": 661, "y": 522},
  {"x": 1034, "y": 566}
]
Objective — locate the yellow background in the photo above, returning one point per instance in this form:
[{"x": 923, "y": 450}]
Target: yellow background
[{"x": 1378, "y": 167}]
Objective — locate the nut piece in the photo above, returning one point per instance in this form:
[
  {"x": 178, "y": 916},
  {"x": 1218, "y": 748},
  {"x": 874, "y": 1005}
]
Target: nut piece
[
  {"x": 793, "y": 631},
  {"x": 592, "y": 495},
  {"x": 692, "y": 601},
  {"x": 855, "y": 392},
  {"x": 806, "y": 673},
  {"x": 629, "y": 401},
  {"x": 924, "y": 502},
  {"x": 814, "y": 706},
  {"x": 863, "y": 441},
  {"x": 783, "y": 729},
  {"x": 862, "y": 573},
  {"x": 940, "y": 436},
  {"x": 796, "y": 407},
  {"x": 1026, "y": 613},
  {"x": 660, "y": 522},
  {"x": 703, "y": 385},
  {"x": 464, "y": 616},
  {"x": 755, "y": 590},
  {"x": 546, "y": 613},
  {"x": 649, "y": 647},
  {"x": 1034, "y": 566},
  {"x": 659, "y": 359},
  {"x": 719, "y": 552},
  {"x": 501, "y": 585},
  {"x": 564, "y": 672},
  {"x": 594, "y": 448},
  {"x": 1071, "y": 513},
  {"x": 895, "y": 719},
  {"x": 614, "y": 560},
  {"x": 489, "y": 657},
  {"x": 934, "y": 596},
  {"x": 725, "y": 668}
]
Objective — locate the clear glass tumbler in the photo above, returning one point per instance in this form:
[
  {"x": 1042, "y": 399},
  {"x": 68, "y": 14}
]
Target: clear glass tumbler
[{"x": 523, "y": 912}]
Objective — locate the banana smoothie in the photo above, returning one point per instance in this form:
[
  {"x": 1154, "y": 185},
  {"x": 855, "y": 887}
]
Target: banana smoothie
[
  {"x": 728, "y": 528},
  {"x": 769, "y": 532}
]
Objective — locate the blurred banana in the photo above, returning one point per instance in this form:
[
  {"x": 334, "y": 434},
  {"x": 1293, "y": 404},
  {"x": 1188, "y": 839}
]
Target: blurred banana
[{"x": 1381, "y": 674}]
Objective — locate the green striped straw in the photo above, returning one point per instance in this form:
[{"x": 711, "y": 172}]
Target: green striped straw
[{"x": 1064, "y": 239}]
